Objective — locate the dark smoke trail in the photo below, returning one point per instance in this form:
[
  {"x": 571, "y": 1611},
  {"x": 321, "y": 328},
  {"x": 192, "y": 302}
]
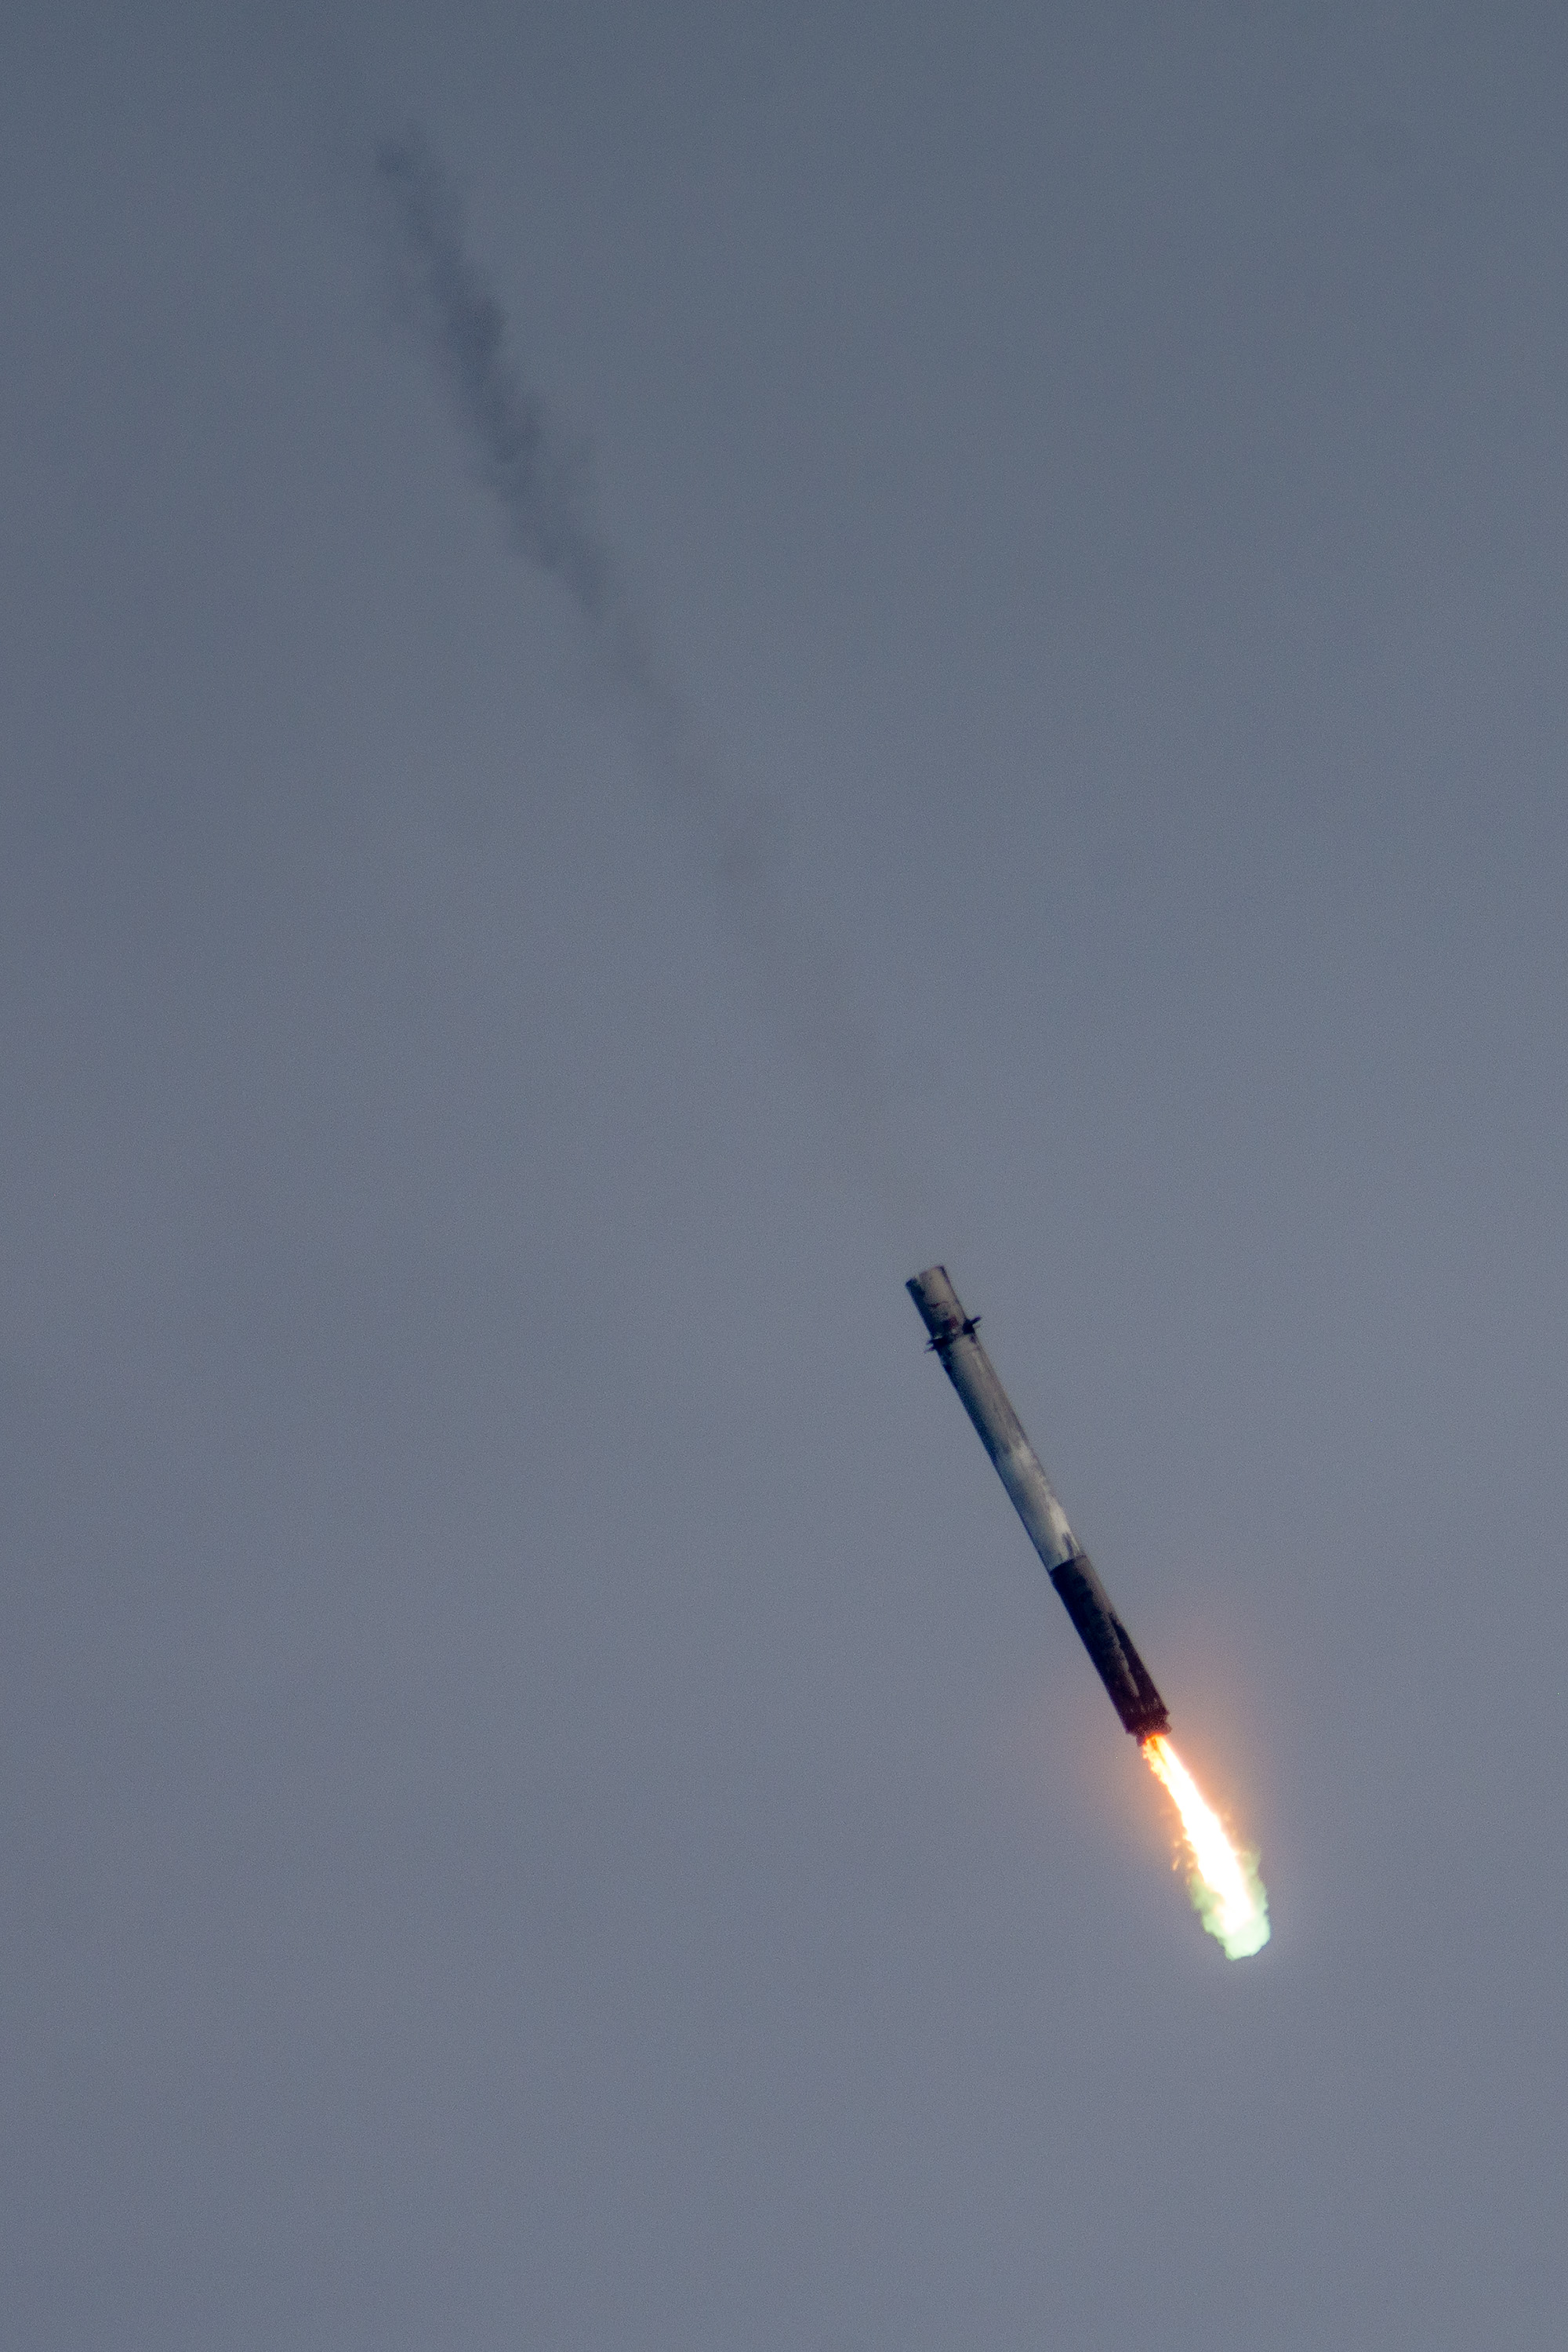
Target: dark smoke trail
[{"x": 538, "y": 479}]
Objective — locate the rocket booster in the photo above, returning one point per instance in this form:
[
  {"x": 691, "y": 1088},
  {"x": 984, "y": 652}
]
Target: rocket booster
[{"x": 1104, "y": 1636}]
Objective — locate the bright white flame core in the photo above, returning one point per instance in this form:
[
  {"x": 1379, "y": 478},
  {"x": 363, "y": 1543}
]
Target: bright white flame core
[{"x": 1227, "y": 1894}]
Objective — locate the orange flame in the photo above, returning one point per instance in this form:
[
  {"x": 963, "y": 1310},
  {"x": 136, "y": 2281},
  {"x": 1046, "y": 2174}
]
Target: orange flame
[{"x": 1227, "y": 1894}]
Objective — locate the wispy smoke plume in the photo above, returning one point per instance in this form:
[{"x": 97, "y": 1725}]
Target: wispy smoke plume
[{"x": 539, "y": 477}]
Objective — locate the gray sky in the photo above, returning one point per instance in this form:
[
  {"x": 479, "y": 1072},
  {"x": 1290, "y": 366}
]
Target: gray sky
[{"x": 546, "y": 1801}]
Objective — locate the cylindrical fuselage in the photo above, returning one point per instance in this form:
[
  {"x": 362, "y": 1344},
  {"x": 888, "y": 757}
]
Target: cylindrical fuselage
[{"x": 969, "y": 1368}]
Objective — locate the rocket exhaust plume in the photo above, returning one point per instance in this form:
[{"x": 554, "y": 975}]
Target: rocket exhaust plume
[
  {"x": 1227, "y": 1894},
  {"x": 1226, "y": 1891}
]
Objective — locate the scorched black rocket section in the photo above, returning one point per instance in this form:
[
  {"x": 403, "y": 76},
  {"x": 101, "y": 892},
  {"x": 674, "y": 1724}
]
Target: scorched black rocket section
[{"x": 1100, "y": 1630}]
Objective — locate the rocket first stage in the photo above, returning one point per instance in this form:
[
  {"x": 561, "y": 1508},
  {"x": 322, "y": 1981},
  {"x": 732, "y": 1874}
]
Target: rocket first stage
[{"x": 1104, "y": 1636}]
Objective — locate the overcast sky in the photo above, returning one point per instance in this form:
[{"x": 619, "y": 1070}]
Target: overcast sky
[{"x": 545, "y": 1801}]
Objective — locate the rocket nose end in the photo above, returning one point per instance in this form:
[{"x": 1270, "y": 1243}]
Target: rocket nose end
[{"x": 938, "y": 1301}]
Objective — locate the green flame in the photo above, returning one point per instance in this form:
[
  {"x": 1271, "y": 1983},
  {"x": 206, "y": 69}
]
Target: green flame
[{"x": 1240, "y": 1934}]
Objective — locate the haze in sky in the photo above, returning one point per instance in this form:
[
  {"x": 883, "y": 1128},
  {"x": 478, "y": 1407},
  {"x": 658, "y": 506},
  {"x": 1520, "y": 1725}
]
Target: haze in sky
[{"x": 545, "y": 1799}]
